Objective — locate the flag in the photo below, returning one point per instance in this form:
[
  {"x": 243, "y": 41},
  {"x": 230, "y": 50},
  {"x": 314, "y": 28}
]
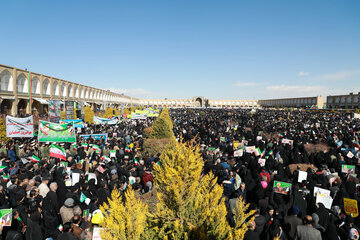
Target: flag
[
  {"x": 106, "y": 158},
  {"x": 74, "y": 147},
  {"x": 280, "y": 135},
  {"x": 100, "y": 169},
  {"x": 127, "y": 149},
  {"x": 2, "y": 168},
  {"x": 271, "y": 152},
  {"x": 5, "y": 177},
  {"x": 137, "y": 162},
  {"x": 82, "y": 197},
  {"x": 257, "y": 151},
  {"x": 96, "y": 148},
  {"x": 34, "y": 159},
  {"x": 57, "y": 152},
  {"x": 60, "y": 227},
  {"x": 356, "y": 142},
  {"x": 85, "y": 146}
]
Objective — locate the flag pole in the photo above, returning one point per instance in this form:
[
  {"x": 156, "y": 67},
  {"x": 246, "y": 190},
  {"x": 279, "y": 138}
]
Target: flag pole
[{"x": 30, "y": 96}]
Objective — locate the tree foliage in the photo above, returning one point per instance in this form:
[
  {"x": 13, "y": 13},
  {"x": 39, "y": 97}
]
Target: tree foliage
[
  {"x": 190, "y": 205},
  {"x": 162, "y": 127},
  {"x": 3, "y": 137},
  {"x": 124, "y": 220},
  {"x": 89, "y": 115}
]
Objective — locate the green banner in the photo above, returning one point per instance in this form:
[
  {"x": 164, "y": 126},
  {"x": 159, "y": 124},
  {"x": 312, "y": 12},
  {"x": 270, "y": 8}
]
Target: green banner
[
  {"x": 348, "y": 168},
  {"x": 54, "y": 132},
  {"x": 5, "y": 217},
  {"x": 282, "y": 187}
]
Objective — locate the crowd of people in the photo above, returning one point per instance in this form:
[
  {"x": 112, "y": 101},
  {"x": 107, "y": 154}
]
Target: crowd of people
[{"x": 231, "y": 141}]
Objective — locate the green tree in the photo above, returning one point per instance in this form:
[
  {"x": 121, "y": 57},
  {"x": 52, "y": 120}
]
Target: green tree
[
  {"x": 3, "y": 137},
  {"x": 190, "y": 205},
  {"x": 124, "y": 220},
  {"x": 162, "y": 127}
]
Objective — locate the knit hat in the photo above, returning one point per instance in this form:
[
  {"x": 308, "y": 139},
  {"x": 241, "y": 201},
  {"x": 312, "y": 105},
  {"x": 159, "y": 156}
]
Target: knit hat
[{"x": 69, "y": 202}]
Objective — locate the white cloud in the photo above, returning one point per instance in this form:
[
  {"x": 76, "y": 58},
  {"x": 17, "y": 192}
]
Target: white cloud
[
  {"x": 303, "y": 73},
  {"x": 287, "y": 91},
  {"x": 341, "y": 75},
  {"x": 245, "y": 84}
]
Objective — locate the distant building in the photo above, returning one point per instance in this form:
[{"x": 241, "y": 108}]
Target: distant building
[
  {"x": 302, "y": 102},
  {"x": 350, "y": 101}
]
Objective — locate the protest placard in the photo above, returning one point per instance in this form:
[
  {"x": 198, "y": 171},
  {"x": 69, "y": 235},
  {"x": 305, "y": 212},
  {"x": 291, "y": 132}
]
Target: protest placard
[
  {"x": 302, "y": 176},
  {"x": 351, "y": 207},
  {"x": 348, "y": 168},
  {"x": 321, "y": 191},
  {"x": 282, "y": 187},
  {"x": 19, "y": 127}
]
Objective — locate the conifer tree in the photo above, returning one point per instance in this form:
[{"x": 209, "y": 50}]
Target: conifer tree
[
  {"x": 124, "y": 221},
  {"x": 3, "y": 137},
  {"x": 190, "y": 206},
  {"x": 162, "y": 126},
  {"x": 89, "y": 115},
  {"x": 109, "y": 112}
]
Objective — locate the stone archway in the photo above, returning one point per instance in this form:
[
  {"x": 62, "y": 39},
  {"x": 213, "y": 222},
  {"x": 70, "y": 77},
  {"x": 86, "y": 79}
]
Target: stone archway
[
  {"x": 198, "y": 102},
  {"x": 6, "y": 106},
  {"x": 22, "y": 107}
]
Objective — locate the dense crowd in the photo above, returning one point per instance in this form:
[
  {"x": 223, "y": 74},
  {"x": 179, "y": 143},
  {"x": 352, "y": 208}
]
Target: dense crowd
[{"x": 45, "y": 206}]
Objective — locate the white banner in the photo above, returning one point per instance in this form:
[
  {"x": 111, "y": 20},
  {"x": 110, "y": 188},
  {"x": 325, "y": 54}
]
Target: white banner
[{"x": 19, "y": 127}]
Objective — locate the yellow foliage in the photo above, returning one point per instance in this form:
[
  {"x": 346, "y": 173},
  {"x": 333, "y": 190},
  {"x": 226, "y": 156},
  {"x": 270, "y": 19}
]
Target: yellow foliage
[
  {"x": 124, "y": 221},
  {"x": 3, "y": 137},
  {"x": 190, "y": 205},
  {"x": 162, "y": 127},
  {"x": 126, "y": 111},
  {"x": 117, "y": 112},
  {"x": 242, "y": 219},
  {"x": 89, "y": 115},
  {"x": 109, "y": 112}
]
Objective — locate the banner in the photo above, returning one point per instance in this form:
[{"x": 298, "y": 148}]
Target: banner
[
  {"x": 54, "y": 132},
  {"x": 78, "y": 123},
  {"x": 321, "y": 191},
  {"x": 95, "y": 136},
  {"x": 54, "y": 111},
  {"x": 136, "y": 116},
  {"x": 327, "y": 201},
  {"x": 99, "y": 120},
  {"x": 348, "y": 168},
  {"x": 19, "y": 127},
  {"x": 69, "y": 109},
  {"x": 6, "y": 217},
  {"x": 351, "y": 207},
  {"x": 282, "y": 187}
]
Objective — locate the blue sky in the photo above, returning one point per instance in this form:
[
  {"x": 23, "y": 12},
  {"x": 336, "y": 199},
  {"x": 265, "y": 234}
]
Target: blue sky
[{"x": 180, "y": 49}]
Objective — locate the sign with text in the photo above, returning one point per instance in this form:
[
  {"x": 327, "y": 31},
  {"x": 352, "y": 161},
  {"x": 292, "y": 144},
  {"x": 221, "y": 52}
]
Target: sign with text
[
  {"x": 19, "y": 127},
  {"x": 282, "y": 187}
]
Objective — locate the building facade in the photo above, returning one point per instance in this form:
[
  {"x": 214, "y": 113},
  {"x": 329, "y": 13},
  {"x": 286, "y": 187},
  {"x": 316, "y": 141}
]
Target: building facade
[
  {"x": 294, "y": 102},
  {"x": 14, "y": 92},
  {"x": 349, "y": 101}
]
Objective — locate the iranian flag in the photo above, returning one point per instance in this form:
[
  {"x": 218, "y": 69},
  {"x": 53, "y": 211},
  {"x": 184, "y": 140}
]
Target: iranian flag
[
  {"x": 2, "y": 168},
  {"x": 280, "y": 135},
  {"x": 106, "y": 158},
  {"x": 57, "y": 152},
  {"x": 5, "y": 177},
  {"x": 74, "y": 147},
  {"x": 257, "y": 152},
  {"x": 271, "y": 152},
  {"x": 96, "y": 148},
  {"x": 136, "y": 162},
  {"x": 34, "y": 159},
  {"x": 127, "y": 149},
  {"x": 85, "y": 146}
]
